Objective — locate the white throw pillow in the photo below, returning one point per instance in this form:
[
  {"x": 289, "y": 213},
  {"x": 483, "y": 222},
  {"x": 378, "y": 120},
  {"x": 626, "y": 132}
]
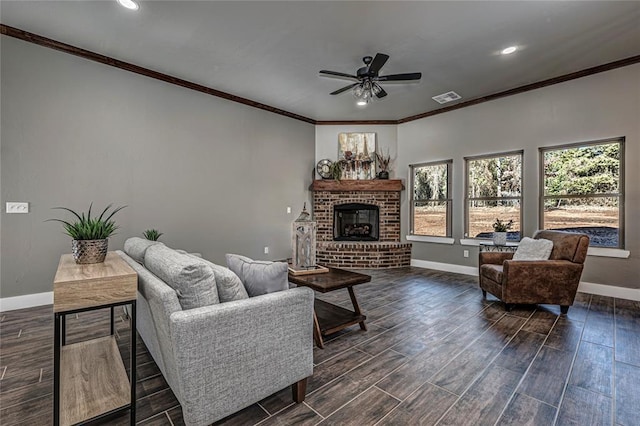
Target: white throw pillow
[
  {"x": 259, "y": 277},
  {"x": 530, "y": 249}
]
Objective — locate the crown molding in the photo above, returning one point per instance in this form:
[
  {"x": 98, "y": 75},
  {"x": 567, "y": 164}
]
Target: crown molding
[
  {"x": 106, "y": 60},
  {"x": 528, "y": 87},
  {"x": 116, "y": 63}
]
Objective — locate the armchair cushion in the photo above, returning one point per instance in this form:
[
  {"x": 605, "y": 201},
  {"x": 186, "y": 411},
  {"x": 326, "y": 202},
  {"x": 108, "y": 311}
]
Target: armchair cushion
[
  {"x": 493, "y": 272},
  {"x": 530, "y": 249},
  {"x": 259, "y": 277}
]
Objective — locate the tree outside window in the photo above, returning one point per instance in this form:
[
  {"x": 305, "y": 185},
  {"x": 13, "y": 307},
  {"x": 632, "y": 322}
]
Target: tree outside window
[
  {"x": 431, "y": 199},
  {"x": 581, "y": 189},
  {"x": 493, "y": 191}
]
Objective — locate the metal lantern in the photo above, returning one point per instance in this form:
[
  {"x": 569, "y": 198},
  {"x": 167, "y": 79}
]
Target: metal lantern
[{"x": 304, "y": 241}]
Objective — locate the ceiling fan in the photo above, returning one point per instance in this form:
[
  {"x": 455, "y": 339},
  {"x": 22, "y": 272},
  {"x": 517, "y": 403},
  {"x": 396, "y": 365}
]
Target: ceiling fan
[{"x": 367, "y": 79}]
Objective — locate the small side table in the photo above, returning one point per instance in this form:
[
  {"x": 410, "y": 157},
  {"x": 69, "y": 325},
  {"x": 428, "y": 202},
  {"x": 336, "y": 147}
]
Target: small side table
[
  {"x": 496, "y": 248},
  {"x": 327, "y": 317},
  {"x": 89, "y": 380}
]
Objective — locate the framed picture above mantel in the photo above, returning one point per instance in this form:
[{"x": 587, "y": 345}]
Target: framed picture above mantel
[{"x": 356, "y": 153}]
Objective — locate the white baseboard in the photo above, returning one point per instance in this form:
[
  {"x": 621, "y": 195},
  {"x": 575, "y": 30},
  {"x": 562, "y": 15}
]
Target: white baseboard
[
  {"x": 610, "y": 290},
  {"x": 446, "y": 267},
  {"x": 584, "y": 287},
  {"x": 26, "y": 301}
]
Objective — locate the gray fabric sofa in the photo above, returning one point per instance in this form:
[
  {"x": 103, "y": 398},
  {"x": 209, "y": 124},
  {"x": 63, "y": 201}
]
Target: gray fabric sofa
[{"x": 221, "y": 358}]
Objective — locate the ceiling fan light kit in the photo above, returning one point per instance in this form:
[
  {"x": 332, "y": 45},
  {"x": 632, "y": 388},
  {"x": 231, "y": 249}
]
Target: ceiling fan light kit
[{"x": 366, "y": 87}]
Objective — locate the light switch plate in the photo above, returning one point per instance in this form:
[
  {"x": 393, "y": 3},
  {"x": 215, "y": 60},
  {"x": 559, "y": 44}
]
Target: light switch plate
[{"x": 13, "y": 207}]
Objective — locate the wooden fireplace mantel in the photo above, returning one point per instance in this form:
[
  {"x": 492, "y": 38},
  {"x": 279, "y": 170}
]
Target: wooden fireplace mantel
[{"x": 374, "y": 185}]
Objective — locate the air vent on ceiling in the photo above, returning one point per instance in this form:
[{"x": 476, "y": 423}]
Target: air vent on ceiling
[{"x": 446, "y": 97}]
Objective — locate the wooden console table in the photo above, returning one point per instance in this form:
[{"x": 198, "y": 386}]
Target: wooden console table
[
  {"x": 90, "y": 381},
  {"x": 327, "y": 317}
]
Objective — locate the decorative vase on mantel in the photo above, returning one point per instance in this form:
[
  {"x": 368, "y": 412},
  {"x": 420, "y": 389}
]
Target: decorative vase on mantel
[
  {"x": 500, "y": 238},
  {"x": 89, "y": 251},
  {"x": 383, "y": 174}
]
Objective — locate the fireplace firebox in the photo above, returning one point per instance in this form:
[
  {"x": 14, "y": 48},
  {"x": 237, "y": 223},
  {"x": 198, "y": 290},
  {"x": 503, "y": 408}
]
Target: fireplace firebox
[{"x": 355, "y": 222}]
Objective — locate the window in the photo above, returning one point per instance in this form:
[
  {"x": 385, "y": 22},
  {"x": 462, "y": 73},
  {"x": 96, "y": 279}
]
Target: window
[
  {"x": 431, "y": 199},
  {"x": 581, "y": 187},
  {"x": 493, "y": 191}
]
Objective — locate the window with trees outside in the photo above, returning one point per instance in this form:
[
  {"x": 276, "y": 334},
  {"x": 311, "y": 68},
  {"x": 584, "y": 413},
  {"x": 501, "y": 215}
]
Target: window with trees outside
[
  {"x": 581, "y": 187},
  {"x": 493, "y": 191},
  {"x": 431, "y": 199}
]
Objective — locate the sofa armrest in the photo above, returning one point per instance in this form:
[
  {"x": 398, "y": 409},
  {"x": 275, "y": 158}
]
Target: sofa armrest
[
  {"x": 544, "y": 281},
  {"x": 231, "y": 355},
  {"x": 493, "y": 257}
]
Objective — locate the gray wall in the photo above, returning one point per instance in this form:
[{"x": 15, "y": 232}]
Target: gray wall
[
  {"x": 213, "y": 175},
  {"x": 596, "y": 107}
]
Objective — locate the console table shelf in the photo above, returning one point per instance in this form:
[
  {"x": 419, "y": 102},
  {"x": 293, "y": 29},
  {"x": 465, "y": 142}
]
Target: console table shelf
[
  {"x": 89, "y": 378},
  {"x": 105, "y": 389}
]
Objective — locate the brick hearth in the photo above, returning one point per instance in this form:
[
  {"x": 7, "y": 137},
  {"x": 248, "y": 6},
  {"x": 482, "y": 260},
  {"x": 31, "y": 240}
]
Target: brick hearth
[{"x": 388, "y": 252}]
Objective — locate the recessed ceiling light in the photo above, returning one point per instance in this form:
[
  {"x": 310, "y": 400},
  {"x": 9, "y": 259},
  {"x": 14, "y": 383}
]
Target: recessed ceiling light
[
  {"x": 129, "y": 4},
  {"x": 509, "y": 50}
]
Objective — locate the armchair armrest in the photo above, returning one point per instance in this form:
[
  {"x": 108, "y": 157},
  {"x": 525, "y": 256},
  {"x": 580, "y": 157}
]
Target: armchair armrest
[
  {"x": 494, "y": 257},
  {"x": 231, "y": 355},
  {"x": 543, "y": 281}
]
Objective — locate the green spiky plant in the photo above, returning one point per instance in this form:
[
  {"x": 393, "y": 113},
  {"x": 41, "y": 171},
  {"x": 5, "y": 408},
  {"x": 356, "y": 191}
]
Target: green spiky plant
[
  {"x": 500, "y": 226},
  {"x": 86, "y": 227},
  {"x": 152, "y": 234}
]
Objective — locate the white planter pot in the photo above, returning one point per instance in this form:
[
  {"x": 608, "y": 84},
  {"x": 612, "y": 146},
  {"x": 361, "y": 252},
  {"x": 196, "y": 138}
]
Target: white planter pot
[{"x": 500, "y": 238}]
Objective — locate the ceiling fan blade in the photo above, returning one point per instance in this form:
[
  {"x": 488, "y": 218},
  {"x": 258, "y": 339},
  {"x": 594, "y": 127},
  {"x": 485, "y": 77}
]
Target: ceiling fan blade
[
  {"x": 401, "y": 77},
  {"x": 377, "y": 63},
  {"x": 338, "y": 74},
  {"x": 344, "y": 89},
  {"x": 380, "y": 92}
]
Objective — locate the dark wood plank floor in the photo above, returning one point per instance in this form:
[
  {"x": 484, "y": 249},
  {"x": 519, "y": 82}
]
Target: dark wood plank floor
[{"x": 435, "y": 353}]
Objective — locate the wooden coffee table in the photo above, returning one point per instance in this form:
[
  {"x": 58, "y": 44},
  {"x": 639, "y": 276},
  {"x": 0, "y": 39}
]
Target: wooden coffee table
[{"x": 327, "y": 317}]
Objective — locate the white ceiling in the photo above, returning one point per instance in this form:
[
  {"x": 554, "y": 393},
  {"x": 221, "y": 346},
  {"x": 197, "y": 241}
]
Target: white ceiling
[{"x": 271, "y": 52}]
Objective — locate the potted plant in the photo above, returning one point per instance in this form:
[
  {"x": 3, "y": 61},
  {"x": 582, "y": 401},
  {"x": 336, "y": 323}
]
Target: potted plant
[
  {"x": 500, "y": 229},
  {"x": 384, "y": 161},
  {"x": 90, "y": 234},
  {"x": 152, "y": 234}
]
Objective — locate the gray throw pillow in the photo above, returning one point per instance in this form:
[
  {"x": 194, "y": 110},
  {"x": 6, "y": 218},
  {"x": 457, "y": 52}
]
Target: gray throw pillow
[
  {"x": 229, "y": 285},
  {"x": 259, "y": 277},
  {"x": 530, "y": 249},
  {"x": 191, "y": 278},
  {"x": 136, "y": 247}
]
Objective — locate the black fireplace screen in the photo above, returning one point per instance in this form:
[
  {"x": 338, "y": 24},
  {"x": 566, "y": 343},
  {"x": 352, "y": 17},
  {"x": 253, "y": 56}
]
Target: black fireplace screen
[{"x": 355, "y": 222}]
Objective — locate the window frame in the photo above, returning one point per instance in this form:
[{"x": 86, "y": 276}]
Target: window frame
[
  {"x": 467, "y": 199},
  {"x": 621, "y": 184},
  {"x": 448, "y": 201}
]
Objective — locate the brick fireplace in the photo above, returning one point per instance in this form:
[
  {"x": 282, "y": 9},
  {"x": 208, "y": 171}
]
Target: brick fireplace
[{"x": 387, "y": 251}]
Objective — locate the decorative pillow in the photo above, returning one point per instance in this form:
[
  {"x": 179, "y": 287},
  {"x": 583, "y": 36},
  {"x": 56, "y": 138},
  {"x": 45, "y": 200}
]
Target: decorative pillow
[
  {"x": 136, "y": 247},
  {"x": 530, "y": 249},
  {"x": 191, "y": 278},
  {"x": 229, "y": 285},
  {"x": 259, "y": 277}
]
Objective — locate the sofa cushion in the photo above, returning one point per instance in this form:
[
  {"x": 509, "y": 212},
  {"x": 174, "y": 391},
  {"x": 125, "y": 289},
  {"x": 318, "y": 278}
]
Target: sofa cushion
[
  {"x": 136, "y": 247},
  {"x": 259, "y": 277},
  {"x": 530, "y": 249},
  {"x": 229, "y": 285},
  {"x": 493, "y": 272},
  {"x": 191, "y": 278}
]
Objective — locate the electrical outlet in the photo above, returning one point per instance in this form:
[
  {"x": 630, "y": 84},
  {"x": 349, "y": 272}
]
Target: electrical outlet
[
  {"x": 288, "y": 210},
  {"x": 17, "y": 207},
  {"x": 465, "y": 253},
  {"x": 266, "y": 249}
]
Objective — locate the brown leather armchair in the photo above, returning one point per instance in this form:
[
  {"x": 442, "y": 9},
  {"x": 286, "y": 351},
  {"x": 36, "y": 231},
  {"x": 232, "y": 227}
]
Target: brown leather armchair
[{"x": 554, "y": 281}]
